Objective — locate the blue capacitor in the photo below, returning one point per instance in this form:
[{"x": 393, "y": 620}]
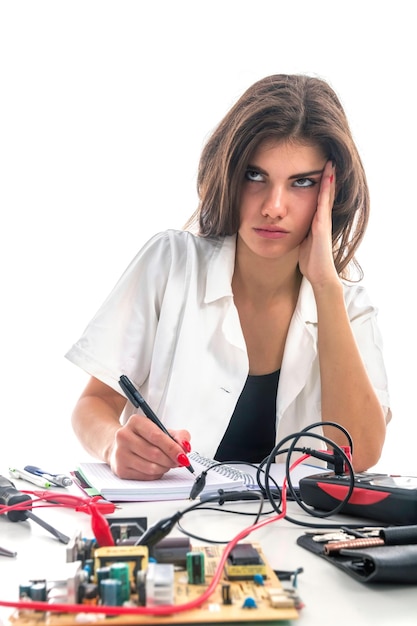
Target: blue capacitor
[
  {"x": 249, "y": 603},
  {"x": 38, "y": 592},
  {"x": 89, "y": 568},
  {"x": 111, "y": 592},
  {"x": 101, "y": 574},
  {"x": 24, "y": 590}
]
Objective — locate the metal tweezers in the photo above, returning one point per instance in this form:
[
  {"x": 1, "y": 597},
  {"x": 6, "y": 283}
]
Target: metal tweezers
[{"x": 6, "y": 552}]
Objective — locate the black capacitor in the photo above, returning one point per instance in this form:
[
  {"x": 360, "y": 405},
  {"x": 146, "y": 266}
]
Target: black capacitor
[
  {"x": 226, "y": 594},
  {"x": 141, "y": 587},
  {"x": 88, "y": 593}
]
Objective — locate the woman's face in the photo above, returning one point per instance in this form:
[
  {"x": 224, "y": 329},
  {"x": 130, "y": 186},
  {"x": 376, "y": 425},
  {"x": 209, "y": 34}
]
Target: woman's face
[{"x": 279, "y": 196}]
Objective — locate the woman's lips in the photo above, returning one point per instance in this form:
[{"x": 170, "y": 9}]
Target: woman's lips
[{"x": 271, "y": 233}]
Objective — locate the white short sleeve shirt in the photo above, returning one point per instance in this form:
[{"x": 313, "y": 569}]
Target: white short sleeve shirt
[{"x": 170, "y": 324}]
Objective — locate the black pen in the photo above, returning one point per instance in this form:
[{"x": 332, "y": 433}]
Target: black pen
[{"x": 139, "y": 401}]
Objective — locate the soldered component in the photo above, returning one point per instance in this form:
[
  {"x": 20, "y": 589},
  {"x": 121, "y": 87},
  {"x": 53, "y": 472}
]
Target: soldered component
[
  {"x": 280, "y": 598},
  {"x": 135, "y": 556},
  {"x": 244, "y": 554},
  {"x": 195, "y": 568},
  {"x": 226, "y": 594},
  {"x": 111, "y": 592},
  {"x": 125, "y": 528},
  {"x": 88, "y": 593},
  {"x": 100, "y": 574},
  {"x": 88, "y": 568},
  {"x": 24, "y": 590},
  {"x": 141, "y": 587},
  {"x": 159, "y": 584},
  {"x": 80, "y": 549},
  {"x": 62, "y": 586},
  {"x": 38, "y": 591},
  {"x": 171, "y": 550},
  {"x": 120, "y": 571},
  {"x": 244, "y": 563},
  {"x": 249, "y": 603},
  {"x": 153, "y": 584}
]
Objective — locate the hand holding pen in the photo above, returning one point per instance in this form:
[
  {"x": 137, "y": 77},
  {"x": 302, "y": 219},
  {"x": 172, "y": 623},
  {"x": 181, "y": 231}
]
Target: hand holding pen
[{"x": 139, "y": 402}]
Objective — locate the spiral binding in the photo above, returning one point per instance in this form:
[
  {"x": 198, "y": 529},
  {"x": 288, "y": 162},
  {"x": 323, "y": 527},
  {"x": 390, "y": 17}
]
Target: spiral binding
[{"x": 225, "y": 470}]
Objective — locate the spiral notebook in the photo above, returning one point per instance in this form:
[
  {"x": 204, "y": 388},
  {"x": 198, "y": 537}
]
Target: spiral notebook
[{"x": 174, "y": 485}]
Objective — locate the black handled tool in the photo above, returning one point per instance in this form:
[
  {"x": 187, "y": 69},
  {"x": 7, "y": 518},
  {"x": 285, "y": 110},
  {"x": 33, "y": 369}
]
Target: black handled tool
[{"x": 10, "y": 496}]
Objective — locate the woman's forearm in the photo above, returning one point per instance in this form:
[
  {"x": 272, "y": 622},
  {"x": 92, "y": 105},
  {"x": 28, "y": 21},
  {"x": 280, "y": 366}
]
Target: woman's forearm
[
  {"x": 96, "y": 419},
  {"x": 348, "y": 397}
]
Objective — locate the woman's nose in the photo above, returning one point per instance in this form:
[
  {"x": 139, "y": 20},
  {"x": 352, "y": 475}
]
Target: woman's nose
[{"x": 275, "y": 204}]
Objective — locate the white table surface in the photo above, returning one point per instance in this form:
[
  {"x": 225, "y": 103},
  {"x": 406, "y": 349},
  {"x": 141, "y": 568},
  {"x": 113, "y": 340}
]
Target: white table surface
[{"x": 330, "y": 595}]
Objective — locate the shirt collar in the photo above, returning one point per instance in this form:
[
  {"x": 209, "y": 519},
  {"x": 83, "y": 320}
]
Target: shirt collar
[
  {"x": 306, "y": 307},
  {"x": 221, "y": 268}
]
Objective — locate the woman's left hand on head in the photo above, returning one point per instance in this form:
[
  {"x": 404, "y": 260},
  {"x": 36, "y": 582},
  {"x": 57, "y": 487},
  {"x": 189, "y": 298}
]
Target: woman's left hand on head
[{"x": 316, "y": 255}]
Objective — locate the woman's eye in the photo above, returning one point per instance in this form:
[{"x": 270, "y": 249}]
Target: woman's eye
[
  {"x": 253, "y": 176},
  {"x": 305, "y": 182}
]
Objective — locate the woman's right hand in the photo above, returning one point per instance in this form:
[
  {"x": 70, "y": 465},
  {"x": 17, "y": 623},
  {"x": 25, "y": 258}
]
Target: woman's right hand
[
  {"x": 138, "y": 449},
  {"x": 141, "y": 451}
]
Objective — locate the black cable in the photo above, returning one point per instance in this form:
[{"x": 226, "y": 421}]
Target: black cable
[
  {"x": 328, "y": 456},
  {"x": 341, "y": 504},
  {"x": 163, "y": 527},
  {"x": 268, "y": 489},
  {"x": 220, "y": 499}
]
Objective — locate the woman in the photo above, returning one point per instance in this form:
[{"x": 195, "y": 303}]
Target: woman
[{"x": 253, "y": 327}]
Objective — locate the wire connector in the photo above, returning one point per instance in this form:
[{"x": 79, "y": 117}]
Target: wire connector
[
  {"x": 158, "y": 531},
  {"x": 335, "y": 458},
  {"x": 199, "y": 484}
]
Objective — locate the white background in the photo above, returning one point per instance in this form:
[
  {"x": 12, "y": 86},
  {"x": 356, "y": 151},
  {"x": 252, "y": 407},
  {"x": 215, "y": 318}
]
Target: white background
[{"x": 104, "y": 109}]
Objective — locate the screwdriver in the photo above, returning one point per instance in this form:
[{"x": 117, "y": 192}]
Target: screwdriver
[{"x": 10, "y": 496}]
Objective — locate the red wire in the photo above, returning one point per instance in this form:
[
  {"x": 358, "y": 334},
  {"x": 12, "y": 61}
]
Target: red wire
[
  {"x": 164, "y": 609},
  {"x": 94, "y": 506},
  {"x": 100, "y": 528},
  {"x": 59, "y": 499}
]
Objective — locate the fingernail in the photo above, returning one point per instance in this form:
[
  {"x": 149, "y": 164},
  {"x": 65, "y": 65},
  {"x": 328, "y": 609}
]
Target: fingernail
[
  {"x": 183, "y": 459},
  {"x": 186, "y": 445},
  {"x": 331, "y": 178}
]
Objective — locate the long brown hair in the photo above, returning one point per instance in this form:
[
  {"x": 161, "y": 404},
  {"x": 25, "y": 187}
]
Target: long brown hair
[{"x": 283, "y": 107}]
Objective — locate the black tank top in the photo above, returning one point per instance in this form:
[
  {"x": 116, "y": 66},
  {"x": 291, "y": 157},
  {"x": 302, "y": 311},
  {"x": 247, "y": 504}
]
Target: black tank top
[{"x": 250, "y": 435}]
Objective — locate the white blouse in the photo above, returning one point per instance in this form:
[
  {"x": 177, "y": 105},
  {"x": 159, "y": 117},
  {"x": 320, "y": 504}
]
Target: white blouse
[{"x": 170, "y": 324}]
